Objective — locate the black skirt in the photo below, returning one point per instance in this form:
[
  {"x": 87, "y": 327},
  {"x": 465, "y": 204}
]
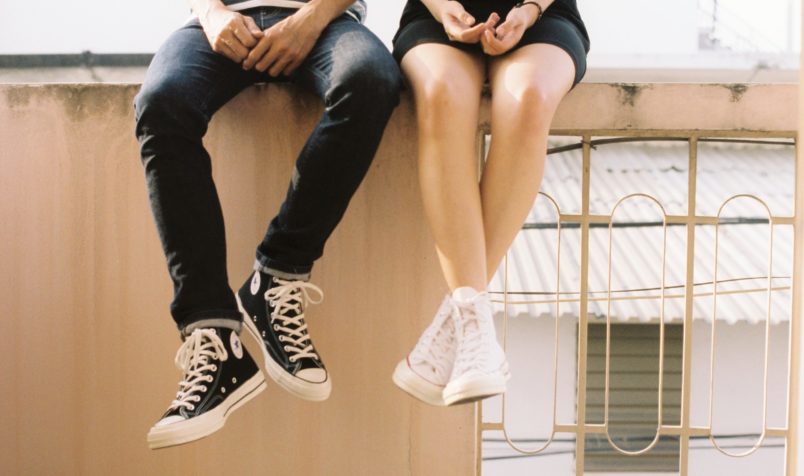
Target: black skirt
[{"x": 560, "y": 25}]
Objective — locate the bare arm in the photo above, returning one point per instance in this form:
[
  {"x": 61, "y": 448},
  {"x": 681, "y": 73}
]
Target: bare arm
[
  {"x": 285, "y": 45},
  {"x": 229, "y": 33}
]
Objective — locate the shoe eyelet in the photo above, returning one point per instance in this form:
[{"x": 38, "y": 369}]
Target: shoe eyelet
[
  {"x": 281, "y": 338},
  {"x": 293, "y": 359},
  {"x": 286, "y": 348},
  {"x": 210, "y": 379},
  {"x": 276, "y": 327},
  {"x": 192, "y": 407},
  {"x": 214, "y": 368}
]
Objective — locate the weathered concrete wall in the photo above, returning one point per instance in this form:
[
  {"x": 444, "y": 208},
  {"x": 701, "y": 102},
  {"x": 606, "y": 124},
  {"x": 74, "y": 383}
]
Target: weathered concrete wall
[{"x": 86, "y": 338}]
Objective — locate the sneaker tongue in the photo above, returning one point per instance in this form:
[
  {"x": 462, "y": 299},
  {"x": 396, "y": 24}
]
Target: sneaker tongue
[{"x": 470, "y": 325}]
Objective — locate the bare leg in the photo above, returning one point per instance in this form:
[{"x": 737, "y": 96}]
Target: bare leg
[
  {"x": 446, "y": 84},
  {"x": 527, "y": 86}
]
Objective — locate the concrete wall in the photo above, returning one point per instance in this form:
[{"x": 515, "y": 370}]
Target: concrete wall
[
  {"x": 87, "y": 343},
  {"x": 86, "y": 337}
]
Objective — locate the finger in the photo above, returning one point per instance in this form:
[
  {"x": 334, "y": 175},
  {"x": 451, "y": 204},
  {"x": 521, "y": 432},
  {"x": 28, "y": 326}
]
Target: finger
[
  {"x": 268, "y": 59},
  {"x": 456, "y": 10},
  {"x": 503, "y": 30},
  {"x": 476, "y": 32},
  {"x": 280, "y": 64},
  {"x": 486, "y": 43},
  {"x": 454, "y": 28},
  {"x": 493, "y": 19},
  {"x": 229, "y": 53},
  {"x": 507, "y": 37},
  {"x": 242, "y": 34},
  {"x": 234, "y": 44},
  {"x": 257, "y": 53},
  {"x": 472, "y": 35},
  {"x": 252, "y": 27},
  {"x": 491, "y": 44}
]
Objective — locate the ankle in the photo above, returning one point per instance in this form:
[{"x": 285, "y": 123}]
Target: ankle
[{"x": 466, "y": 293}]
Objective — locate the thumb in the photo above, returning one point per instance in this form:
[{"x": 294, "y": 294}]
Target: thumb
[
  {"x": 252, "y": 26},
  {"x": 460, "y": 14},
  {"x": 503, "y": 30}
]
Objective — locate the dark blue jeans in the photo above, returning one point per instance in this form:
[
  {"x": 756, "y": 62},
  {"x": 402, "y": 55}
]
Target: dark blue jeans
[{"x": 349, "y": 69}]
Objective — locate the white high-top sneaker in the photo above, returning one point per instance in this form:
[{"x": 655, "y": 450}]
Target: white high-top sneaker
[
  {"x": 480, "y": 368},
  {"x": 426, "y": 370}
]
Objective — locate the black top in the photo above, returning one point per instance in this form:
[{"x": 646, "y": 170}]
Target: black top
[{"x": 480, "y": 9}]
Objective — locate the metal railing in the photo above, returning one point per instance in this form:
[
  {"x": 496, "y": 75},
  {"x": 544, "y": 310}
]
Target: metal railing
[{"x": 685, "y": 431}]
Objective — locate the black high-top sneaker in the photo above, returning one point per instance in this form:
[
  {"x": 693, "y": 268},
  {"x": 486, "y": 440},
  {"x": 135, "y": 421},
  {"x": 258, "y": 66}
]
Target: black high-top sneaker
[
  {"x": 219, "y": 377},
  {"x": 273, "y": 311}
]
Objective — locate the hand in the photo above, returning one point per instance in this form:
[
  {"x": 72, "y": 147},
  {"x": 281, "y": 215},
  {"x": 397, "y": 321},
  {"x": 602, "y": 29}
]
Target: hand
[
  {"x": 230, "y": 33},
  {"x": 460, "y": 25},
  {"x": 496, "y": 41},
  {"x": 284, "y": 46}
]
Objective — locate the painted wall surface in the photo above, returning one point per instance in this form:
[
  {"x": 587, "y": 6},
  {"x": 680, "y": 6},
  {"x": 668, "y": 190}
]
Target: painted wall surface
[
  {"x": 86, "y": 336},
  {"x": 638, "y": 27},
  {"x": 618, "y": 27}
]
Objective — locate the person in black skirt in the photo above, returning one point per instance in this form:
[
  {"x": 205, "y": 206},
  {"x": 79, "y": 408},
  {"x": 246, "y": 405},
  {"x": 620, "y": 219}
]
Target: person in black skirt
[{"x": 532, "y": 53}]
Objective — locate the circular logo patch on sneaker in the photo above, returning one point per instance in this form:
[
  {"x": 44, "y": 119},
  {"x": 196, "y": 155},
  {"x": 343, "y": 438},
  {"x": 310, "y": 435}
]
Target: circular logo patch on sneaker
[
  {"x": 237, "y": 347},
  {"x": 255, "y": 283}
]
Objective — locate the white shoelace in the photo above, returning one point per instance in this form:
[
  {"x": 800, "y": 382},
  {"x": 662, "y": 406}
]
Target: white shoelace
[
  {"x": 474, "y": 337},
  {"x": 293, "y": 296},
  {"x": 193, "y": 359},
  {"x": 436, "y": 345}
]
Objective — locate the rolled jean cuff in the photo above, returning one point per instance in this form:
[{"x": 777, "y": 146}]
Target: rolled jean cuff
[
  {"x": 205, "y": 319},
  {"x": 282, "y": 271}
]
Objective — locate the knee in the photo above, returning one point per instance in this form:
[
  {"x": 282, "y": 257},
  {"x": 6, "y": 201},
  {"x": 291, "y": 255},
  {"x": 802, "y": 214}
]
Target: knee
[
  {"x": 369, "y": 87},
  {"x": 438, "y": 98},
  {"x": 534, "y": 104},
  {"x": 166, "y": 107}
]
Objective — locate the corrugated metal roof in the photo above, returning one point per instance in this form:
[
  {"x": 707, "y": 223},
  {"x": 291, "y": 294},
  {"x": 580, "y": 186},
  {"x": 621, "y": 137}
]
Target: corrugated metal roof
[{"x": 660, "y": 170}]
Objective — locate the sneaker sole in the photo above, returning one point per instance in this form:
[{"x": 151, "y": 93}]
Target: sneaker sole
[
  {"x": 208, "y": 423},
  {"x": 479, "y": 388},
  {"x": 314, "y": 392},
  {"x": 414, "y": 385}
]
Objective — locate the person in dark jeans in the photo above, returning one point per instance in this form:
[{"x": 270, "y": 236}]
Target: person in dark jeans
[{"x": 323, "y": 46}]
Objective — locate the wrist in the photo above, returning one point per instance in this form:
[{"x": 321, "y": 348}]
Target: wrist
[
  {"x": 210, "y": 11},
  {"x": 531, "y": 10},
  {"x": 438, "y": 8},
  {"x": 318, "y": 14}
]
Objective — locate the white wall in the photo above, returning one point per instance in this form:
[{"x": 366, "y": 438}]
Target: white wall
[
  {"x": 738, "y": 396},
  {"x": 622, "y": 27},
  {"x": 641, "y": 27},
  {"x": 104, "y": 26}
]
